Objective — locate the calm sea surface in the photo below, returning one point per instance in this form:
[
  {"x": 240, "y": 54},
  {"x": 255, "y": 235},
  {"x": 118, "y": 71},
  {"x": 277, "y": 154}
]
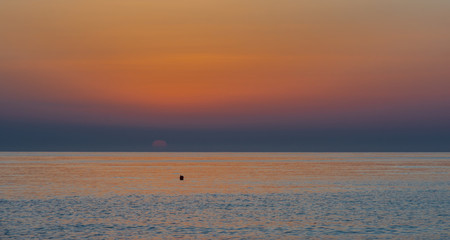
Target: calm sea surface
[{"x": 224, "y": 195}]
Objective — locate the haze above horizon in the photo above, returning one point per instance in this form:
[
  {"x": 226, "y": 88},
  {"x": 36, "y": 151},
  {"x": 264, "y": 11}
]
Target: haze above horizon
[{"x": 225, "y": 75}]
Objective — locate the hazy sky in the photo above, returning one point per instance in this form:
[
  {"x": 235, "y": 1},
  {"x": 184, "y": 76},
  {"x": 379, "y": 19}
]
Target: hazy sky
[{"x": 225, "y": 74}]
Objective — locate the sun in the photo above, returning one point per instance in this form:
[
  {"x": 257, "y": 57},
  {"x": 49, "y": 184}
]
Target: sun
[{"x": 159, "y": 143}]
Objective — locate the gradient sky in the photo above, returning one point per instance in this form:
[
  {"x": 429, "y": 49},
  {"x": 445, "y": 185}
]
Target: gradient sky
[{"x": 288, "y": 75}]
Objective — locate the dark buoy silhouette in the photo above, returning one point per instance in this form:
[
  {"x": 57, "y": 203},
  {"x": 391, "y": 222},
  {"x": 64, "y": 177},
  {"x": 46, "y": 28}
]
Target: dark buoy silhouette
[{"x": 181, "y": 177}]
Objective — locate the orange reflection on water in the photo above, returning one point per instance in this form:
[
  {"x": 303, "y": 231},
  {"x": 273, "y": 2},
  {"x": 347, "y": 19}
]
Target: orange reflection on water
[{"x": 75, "y": 174}]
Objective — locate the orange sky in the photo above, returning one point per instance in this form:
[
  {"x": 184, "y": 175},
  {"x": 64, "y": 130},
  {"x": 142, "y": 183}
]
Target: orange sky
[{"x": 219, "y": 63}]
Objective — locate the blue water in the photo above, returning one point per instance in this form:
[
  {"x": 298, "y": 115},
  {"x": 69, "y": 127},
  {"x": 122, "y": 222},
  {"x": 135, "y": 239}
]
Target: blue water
[{"x": 225, "y": 196}]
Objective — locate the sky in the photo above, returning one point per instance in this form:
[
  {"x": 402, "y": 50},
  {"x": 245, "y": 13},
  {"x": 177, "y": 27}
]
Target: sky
[{"x": 225, "y": 75}]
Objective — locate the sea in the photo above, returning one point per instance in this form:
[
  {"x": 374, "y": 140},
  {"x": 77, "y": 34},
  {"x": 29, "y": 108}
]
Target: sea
[{"x": 255, "y": 195}]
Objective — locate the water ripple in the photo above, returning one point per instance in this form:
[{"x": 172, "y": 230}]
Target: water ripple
[{"x": 374, "y": 214}]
